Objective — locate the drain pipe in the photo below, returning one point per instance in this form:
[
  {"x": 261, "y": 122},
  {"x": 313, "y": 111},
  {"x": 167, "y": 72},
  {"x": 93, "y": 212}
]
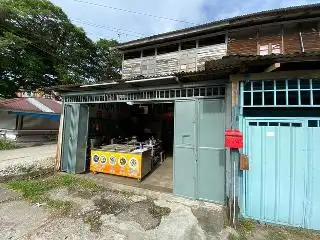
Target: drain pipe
[
  {"x": 234, "y": 194},
  {"x": 301, "y": 41}
]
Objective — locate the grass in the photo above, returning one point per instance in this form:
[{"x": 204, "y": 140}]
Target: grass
[
  {"x": 246, "y": 225},
  {"x": 7, "y": 145},
  {"x": 276, "y": 235},
  {"x": 64, "y": 207},
  {"x": 248, "y": 229},
  {"x": 94, "y": 221},
  {"x": 34, "y": 190},
  {"x": 303, "y": 233}
]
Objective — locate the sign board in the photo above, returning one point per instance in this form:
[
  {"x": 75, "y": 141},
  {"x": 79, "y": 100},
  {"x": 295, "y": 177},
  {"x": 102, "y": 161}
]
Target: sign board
[
  {"x": 275, "y": 48},
  {"x": 264, "y": 50}
]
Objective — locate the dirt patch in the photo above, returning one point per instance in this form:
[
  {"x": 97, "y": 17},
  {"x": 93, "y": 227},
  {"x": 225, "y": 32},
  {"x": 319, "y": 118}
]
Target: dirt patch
[
  {"x": 23, "y": 173},
  {"x": 208, "y": 221},
  {"x": 110, "y": 206},
  {"x": 94, "y": 220},
  {"x": 251, "y": 230},
  {"x": 85, "y": 193},
  {"x": 146, "y": 213},
  {"x": 90, "y": 204},
  {"x": 156, "y": 211}
]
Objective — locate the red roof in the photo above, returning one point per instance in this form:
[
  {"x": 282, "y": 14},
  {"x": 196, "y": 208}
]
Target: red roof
[
  {"x": 22, "y": 104},
  {"x": 52, "y": 104}
]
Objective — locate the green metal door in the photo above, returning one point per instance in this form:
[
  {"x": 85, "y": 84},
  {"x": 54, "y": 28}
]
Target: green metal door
[
  {"x": 184, "y": 178},
  {"x": 211, "y": 151},
  {"x": 74, "y": 145},
  {"x": 81, "y": 162},
  {"x": 199, "y": 153}
]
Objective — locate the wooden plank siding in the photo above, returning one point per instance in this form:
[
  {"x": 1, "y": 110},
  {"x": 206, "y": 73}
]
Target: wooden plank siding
[
  {"x": 311, "y": 37},
  {"x": 181, "y": 61},
  {"x": 242, "y": 46},
  {"x": 287, "y": 36},
  {"x": 210, "y": 53}
]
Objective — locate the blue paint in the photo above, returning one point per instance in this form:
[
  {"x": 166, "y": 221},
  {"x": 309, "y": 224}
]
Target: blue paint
[
  {"x": 280, "y": 93},
  {"x": 281, "y": 183},
  {"x": 50, "y": 116}
]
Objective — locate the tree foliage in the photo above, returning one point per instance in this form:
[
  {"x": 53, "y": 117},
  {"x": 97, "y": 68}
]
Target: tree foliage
[
  {"x": 40, "y": 47},
  {"x": 108, "y": 60}
]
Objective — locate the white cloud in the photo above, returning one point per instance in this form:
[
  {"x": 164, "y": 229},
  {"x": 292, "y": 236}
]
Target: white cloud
[{"x": 197, "y": 11}]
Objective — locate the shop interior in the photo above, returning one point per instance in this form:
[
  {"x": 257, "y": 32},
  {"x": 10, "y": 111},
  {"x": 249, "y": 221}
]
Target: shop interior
[{"x": 132, "y": 143}]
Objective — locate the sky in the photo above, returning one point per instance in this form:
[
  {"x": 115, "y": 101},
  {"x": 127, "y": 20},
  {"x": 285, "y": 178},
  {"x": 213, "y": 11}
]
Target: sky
[{"x": 126, "y": 20}]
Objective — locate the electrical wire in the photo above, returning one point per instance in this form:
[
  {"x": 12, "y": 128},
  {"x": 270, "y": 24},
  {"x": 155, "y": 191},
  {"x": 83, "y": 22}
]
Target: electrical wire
[
  {"x": 134, "y": 12},
  {"x": 36, "y": 46},
  {"x": 113, "y": 29},
  {"x": 122, "y": 36}
]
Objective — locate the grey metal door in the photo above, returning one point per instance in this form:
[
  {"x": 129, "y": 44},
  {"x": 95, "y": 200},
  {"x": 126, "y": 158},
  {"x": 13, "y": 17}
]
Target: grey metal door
[
  {"x": 211, "y": 151},
  {"x": 69, "y": 140},
  {"x": 184, "y": 167},
  {"x": 74, "y": 138},
  {"x": 82, "y": 139}
]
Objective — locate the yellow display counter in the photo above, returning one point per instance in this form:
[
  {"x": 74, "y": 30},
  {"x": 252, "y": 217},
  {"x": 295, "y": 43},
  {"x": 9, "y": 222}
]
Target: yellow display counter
[{"x": 121, "y": 161}]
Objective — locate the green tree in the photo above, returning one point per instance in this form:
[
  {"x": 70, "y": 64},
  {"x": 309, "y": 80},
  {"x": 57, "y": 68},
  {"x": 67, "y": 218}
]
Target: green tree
[
  {"x": 108, "y": 60},
  {"x": 40, "y": 47}
]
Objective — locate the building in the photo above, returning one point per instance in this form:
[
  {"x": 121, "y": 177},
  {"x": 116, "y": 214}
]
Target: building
[
  {"x": 258, "y": 73},
  {"x": 29, "y": 119}
]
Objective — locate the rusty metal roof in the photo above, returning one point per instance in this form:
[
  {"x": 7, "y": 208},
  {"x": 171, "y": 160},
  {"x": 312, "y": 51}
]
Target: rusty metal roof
[
  {"x": 269, "y": 16},
  {"x": 22, "y": 104},
  {"x": 217, "y": 69},
  {"x": 52, "y": 104},
  {"x": 237, "y": 61}
]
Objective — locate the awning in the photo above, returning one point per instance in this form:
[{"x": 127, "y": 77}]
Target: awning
[{"x": 50, "y": 116}]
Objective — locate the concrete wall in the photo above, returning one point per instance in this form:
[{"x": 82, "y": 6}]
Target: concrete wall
[
  {"x": 7, "y": 121},
  {"x": 32, "y": 123}
]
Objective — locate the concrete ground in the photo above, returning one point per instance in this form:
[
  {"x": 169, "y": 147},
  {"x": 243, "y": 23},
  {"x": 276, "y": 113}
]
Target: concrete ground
[
  {"x": 108, "y": 212},
  {"x": 23, "y": 161},
  {"x": 162, "y": 176},
  {"x": 160, "y": 179}
]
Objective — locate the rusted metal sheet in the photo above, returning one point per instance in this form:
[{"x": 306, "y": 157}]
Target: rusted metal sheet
[{"x": 244, "y": 162}]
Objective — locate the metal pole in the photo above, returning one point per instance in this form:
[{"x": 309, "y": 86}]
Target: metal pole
[
  {"x": 301, "y": 42},
  {"x": 234, "y": 193}
]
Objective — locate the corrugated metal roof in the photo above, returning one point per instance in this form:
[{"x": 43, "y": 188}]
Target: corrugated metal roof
[
  {"x": 217, "y": 68},
  {"x": 237, "y": 60},
  {"x": 22, "y": 104},
  {"x": 52, "y": 104},
  {"x": 281, "y": 14}
]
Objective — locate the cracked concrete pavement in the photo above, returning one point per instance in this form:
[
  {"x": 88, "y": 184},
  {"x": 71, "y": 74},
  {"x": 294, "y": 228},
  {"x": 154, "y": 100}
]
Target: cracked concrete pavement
[
  {"x": 27, "y": 161},
  {"x": 109, "y": 214}
]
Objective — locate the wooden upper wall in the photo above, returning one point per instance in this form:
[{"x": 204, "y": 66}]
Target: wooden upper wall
[
  {"x": 190, "y": 55},
  {"x": 284, "y": 39},
  {"x": 182, "y": 60}
]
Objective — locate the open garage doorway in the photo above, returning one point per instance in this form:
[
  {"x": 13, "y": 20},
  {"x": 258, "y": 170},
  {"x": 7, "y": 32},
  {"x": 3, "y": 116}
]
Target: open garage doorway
[{"x": 132, "y": 143}]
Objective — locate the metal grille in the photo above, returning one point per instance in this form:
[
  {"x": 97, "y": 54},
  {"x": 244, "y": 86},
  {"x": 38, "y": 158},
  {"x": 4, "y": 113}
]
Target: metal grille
[
  {"x": 150, "y": 95},
  {"x": 281, "y": 93}
]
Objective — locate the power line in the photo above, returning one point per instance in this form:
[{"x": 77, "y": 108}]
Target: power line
[
  {"x": 36, "y": 46},
  {"x": 134, "y": 12},
  {"x": 113, "y": 29},
  {"x": 121, "y": 36},
  {"x": 108, "y": 27}
]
